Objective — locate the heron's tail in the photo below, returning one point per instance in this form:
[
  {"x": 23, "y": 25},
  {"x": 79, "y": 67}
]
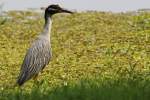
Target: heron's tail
[{"x": 22, "y": 78}]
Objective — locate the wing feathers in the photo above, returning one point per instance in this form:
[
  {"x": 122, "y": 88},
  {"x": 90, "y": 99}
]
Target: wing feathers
[{"x": 37, "y": 57}]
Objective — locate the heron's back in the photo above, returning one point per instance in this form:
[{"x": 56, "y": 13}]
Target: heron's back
[{"x": 37, "y": 57}]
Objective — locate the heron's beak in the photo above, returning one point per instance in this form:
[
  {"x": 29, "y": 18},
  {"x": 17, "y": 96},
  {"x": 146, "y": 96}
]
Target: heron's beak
[{"x": 66, "y": 11}]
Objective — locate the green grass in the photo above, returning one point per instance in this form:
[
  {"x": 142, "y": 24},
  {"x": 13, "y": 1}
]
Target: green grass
[
  {"x": 96, "y": 89},
  {"x": 96, "y": 56}
]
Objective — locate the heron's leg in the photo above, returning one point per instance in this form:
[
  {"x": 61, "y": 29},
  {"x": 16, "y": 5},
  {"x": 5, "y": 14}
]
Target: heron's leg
[
  {"x": 36, "y": 81},
  {"x": 35, "y": 77}
]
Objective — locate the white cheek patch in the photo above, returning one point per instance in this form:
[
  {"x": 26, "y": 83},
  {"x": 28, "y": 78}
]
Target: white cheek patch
[{"x": 51, "y": 9}]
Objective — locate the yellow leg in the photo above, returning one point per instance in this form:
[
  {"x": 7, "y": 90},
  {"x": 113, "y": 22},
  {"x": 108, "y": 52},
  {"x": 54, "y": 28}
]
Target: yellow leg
[{"x": 35, "y": 77}]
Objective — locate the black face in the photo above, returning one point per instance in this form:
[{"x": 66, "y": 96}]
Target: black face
[{"x": 53, "y": 9}]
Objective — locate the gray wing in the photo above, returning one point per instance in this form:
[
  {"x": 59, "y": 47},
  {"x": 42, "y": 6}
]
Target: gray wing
[{"x": 37, "y": 57}]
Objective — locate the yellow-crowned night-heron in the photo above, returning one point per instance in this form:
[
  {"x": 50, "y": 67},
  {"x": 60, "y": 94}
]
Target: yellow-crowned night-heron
[{"x": 39, "y": 54}]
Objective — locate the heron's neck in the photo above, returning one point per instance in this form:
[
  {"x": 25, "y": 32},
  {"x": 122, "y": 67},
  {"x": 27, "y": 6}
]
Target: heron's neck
[{"x": 47, "y": 26}]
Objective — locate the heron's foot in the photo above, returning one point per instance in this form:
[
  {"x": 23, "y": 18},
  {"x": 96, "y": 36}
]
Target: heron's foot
[{"x": 38, "y": 83}]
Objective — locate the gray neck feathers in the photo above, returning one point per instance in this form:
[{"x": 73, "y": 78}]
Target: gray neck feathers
[{"x": 47, "y": 27}]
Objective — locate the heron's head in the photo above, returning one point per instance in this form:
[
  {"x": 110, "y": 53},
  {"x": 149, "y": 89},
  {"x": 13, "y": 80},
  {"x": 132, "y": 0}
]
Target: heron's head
[{"x": 54, "y": 9}]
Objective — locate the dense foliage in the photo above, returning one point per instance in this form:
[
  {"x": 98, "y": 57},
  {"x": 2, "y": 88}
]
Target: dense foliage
[{"x": 96, "y": 55}]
